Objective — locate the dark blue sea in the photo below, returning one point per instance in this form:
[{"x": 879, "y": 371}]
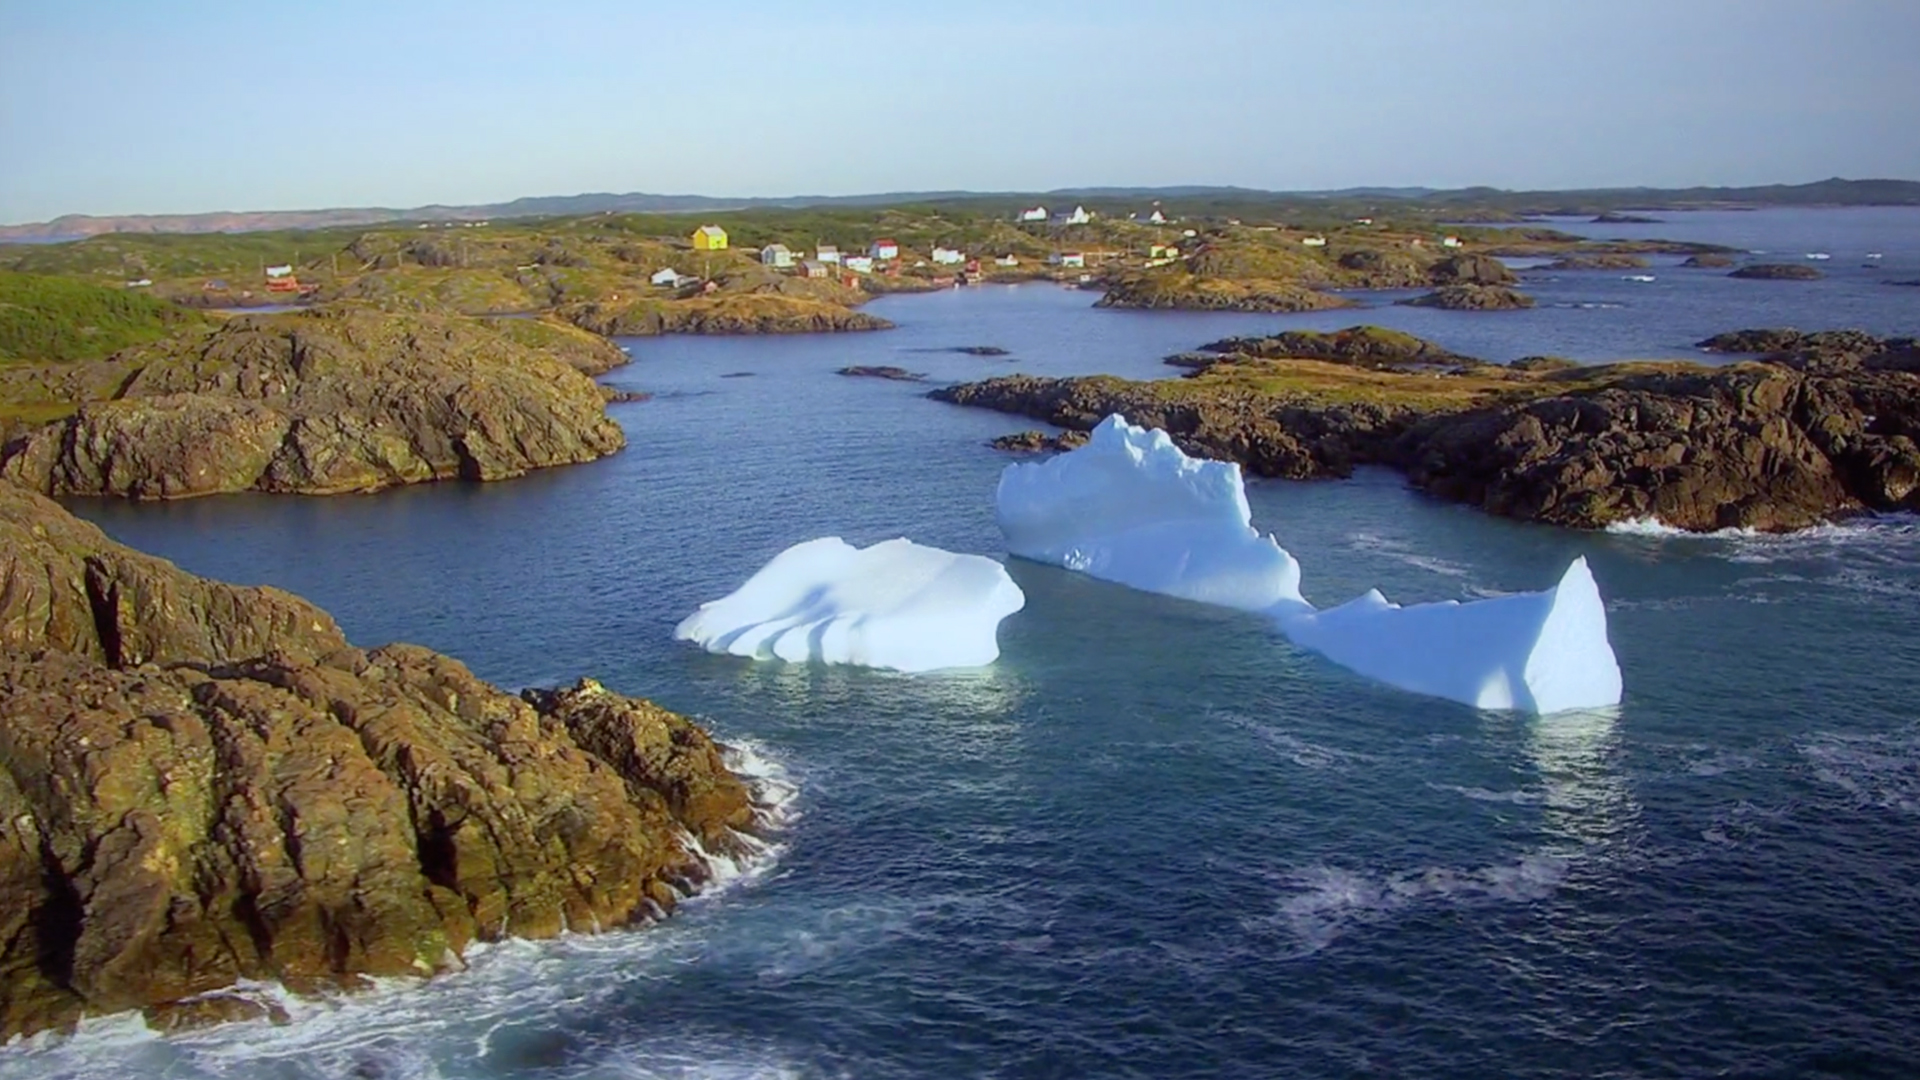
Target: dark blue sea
[{"x": 1154, "y": 840}]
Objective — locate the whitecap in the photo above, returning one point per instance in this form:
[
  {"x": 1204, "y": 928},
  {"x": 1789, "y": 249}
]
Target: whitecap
[
  {"x": 1326, "y": 901},
  {"x": 1878, "y": 770}
]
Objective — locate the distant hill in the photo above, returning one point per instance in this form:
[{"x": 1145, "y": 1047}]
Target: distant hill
[{"x": 1833, "y": 192}]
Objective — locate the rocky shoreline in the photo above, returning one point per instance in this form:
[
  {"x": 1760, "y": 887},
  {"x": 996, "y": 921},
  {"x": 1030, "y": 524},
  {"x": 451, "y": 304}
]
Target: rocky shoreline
[
  {"x": 325, "y": 401},
  {"x": 1828, "y": 426},
  {"x": 204, "y": 783}
]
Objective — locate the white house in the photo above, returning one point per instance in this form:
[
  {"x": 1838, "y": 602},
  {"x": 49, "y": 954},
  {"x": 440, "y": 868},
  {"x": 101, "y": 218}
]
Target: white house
[
  {"x": 884, "y": 250},
  {"x": 669, "y": 276},
  {"x": 279, "y": 271},
  {"x": 1363, "y": 221},
  {"x": 947, "y": 256},
  {"x": 859, "y": 264},
  {"x": 1157, "y": 218},
  {"x": 778, "y": 256},
  {"x": 1068, "y": 258},
  {"x": 1034, "y": 213},
  {"x": 1079, "y": 216},
  {"x": 1315, "y": 241},
  {"x": 1451, "y": 241},
  {"x": 827, "y": 254},
  {"x": 1007, "y": 260}
]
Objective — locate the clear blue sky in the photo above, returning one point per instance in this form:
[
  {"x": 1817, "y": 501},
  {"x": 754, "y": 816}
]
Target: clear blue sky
[{"x": 113, "y": 107}]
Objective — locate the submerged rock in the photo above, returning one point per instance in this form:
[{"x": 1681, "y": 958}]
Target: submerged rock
[
  {"x": 1778, "y": 272},
  {"x": 1707, "y": 261},
  {"x": 205, "y": 783},
  {"x": 1039, "y": 442},
  {"x": 882, "y": 371}
]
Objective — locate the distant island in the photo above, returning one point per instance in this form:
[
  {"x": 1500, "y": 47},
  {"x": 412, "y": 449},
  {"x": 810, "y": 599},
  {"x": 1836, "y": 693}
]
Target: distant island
[{"x": 1476, "y": 203}]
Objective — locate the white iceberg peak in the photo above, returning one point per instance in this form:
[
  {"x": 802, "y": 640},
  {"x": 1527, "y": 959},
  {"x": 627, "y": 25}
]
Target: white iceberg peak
[
  {"x": 895, "y": 604},
  {"x": 1131, "y": 508}
]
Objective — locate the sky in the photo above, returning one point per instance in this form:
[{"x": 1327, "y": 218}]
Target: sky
[{"x": 118, "y": 107}]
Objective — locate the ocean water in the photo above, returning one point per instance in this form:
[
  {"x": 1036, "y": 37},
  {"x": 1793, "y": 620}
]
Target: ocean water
[{"x": 1153, "y": 839}]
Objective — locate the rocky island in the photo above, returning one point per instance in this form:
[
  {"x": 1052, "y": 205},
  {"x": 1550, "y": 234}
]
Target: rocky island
[
  {"x": 1828, "y": 426},
  {"x": 202, "y": 784}
]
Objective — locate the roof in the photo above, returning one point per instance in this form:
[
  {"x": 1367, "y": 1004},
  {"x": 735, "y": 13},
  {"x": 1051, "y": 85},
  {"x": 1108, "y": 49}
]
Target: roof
[
  {"x": 776, "y": 247},
  {"x": 712, "y": 230},
  {"x": 885, "y": 242}
]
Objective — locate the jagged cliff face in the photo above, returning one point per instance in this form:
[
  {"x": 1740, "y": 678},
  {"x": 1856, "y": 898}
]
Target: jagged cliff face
[
  {"x": 319, "y": 402},
  {"x": 201, "y": 783}
]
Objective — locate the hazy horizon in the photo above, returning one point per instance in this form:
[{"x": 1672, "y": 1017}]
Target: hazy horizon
[{"x": 114, "y": 108}]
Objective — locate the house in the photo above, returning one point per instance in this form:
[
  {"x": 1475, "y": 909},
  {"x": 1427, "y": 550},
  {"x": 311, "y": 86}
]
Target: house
[
  {"x": 709, "y": 238},
  {"x": 884, "y": 250},
  {"x": 1363, "y": 221},
  {"x": 859, "y": 264},
  {"x": 827, "y": 253},
  {"x": 1007, "y": 260},
  {"x": 1079, "y": 216},
  {"x": 813, "y": 268},
  {"x": 778, "y": 256},
  {"x": 947, "y": 256},
  {"x": 1314, "y": 241},
  {"x": 1068, "y": 258},
  {"x": 669, "y": 277},
  {"x": 1156, "y": 218},
  {"x": 1451, "y": 241},
  {"x": 1163, "y": 251},
  {"x": 284, "y": 283},
  {"x": 1034, "y": 213}
]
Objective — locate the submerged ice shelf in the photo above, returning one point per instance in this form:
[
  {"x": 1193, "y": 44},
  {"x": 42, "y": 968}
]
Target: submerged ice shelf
[
  {"x": 895, "y": 604},
  {"x": 1130, "y": 507}
]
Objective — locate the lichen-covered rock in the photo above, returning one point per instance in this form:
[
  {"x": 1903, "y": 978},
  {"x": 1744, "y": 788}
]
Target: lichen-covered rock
[
  {"x": 1809, "y": 434},
  {"x": 320, "y": 402},
  {"x": 201, "y": 784},
  {"x": 1472, "y": 298},
  {"x": 1470, "y": 269}
]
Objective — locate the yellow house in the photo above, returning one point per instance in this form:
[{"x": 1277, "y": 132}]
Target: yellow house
[{"x": 710, "y": 238}]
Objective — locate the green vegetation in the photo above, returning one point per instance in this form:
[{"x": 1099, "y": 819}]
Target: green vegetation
[{"x": 60, "y": 320}]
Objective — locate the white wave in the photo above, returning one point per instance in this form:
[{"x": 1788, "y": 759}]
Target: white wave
[
  {"x": 1880, "y": 770},
  {"x": 405, "y": 1028},
  {"x": 1519, "y": 797},
  {"x": 1818, "y": 256},
  {"x": 1402, "y": 551},
  {"x": 1638, "y": 277},
  {"x": 1328, "y": 901},
  {"x": 1307, "y": 755}
]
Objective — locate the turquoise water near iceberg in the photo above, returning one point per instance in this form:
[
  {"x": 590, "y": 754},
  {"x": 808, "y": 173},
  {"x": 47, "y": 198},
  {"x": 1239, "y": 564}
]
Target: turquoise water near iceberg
[{"x": 1154, "y": 839}]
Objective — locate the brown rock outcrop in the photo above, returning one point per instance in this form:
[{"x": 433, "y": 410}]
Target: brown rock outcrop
[
  {"x": 1775, "y": 445},
  {"x": 1472, "y": 298},
  {"x": 202, "y": 783},
  {"x": 319, "y": 402}
]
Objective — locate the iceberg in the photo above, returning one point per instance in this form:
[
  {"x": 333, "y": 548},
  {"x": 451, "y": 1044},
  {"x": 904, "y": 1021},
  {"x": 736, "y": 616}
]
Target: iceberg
[
  {"x": 1540, "y": 652},
  {"x": 1131, "y": 508},
  {"x": 895, "y": 605}
]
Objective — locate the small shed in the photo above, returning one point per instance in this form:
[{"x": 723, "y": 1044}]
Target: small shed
[
  {"x": 709, "y": 238},
  {"x": 778, "y": 256}
]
